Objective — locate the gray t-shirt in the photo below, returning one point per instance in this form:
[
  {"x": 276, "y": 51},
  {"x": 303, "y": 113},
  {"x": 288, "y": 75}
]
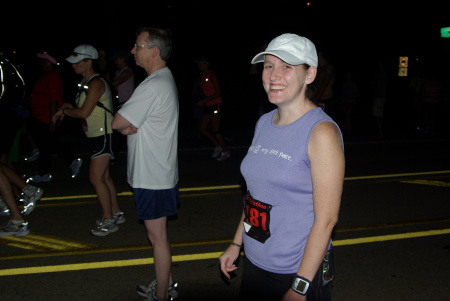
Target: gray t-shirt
[{"x": 152, "y": 151}]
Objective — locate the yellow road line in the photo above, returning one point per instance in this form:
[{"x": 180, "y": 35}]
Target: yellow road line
[
  {"x": 129, "y": 193},
  {"x": 45, "y": 243},
  {"x": 398, "y": 175},
  {"x": 363, "y": 240},
  {"x": 426, "y": 182},
  {"x": 205, "y": 188},
  {"x": 104, "y": 264},
  {"x": 200, "y": 256}
]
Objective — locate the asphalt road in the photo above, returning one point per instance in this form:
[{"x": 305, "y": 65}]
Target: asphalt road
[{"x": 392, "y": 241}]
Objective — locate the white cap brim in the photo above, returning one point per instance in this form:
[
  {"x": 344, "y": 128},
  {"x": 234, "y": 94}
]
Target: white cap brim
[
  {"x": 76, "y": 59},
  {"x": 282, "y": 55}
]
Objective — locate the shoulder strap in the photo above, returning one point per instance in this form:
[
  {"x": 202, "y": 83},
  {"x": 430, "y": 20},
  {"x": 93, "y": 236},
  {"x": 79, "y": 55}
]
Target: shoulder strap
[
  {"x": 103, "y": 106},
  {"x": 98, "y": 103},
  {"x": 92, "y": 78},
  {"x": 83, "y": 88}
]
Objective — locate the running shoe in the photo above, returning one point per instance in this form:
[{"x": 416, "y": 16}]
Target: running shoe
[
  {"x": 39, "y": 178},
  {"x": 223, "y": 156},
  {"x": 9, "y": 229},
  {"x": 106, "y": 227},
  {"x": 149, "y": 290},
  {"x": 119, "y": 218},
  {"x": 75, "y": 166},
  {"x": 153, "y": 298},
  {"x": 216, "y": 152},
  {"x": 34, "y": 156},
  {"x": 31, "y": 195},
  {"x": 4, "y": 210}
]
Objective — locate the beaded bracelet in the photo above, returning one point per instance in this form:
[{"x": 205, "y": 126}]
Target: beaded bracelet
[{"x": 235, "y": 244}]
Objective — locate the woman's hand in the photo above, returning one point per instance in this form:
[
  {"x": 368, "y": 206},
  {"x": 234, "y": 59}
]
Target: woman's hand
[
  {"x": 227, "y": 260},
  {"x": 59, "y": 116}
]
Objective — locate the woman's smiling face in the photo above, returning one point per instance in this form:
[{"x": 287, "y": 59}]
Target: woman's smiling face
[{"x": 283, "y": 82}]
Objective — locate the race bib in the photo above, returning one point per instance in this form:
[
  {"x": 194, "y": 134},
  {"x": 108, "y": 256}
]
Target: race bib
[{"x": 257, "y": 218}]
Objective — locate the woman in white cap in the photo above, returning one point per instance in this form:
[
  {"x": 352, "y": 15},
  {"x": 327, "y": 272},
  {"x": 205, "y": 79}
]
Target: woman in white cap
[
  {"x": 94, "y": 107},
  {"x": 294, "y": 173}
]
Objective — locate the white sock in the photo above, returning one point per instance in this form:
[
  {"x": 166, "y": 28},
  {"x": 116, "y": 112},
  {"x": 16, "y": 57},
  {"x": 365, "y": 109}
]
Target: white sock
[{"x": 17, "y": 223}]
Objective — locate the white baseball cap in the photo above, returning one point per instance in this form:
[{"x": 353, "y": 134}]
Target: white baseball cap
[
  {"x": 82, "y": 52},
  {"x": 291, "y": 48}
]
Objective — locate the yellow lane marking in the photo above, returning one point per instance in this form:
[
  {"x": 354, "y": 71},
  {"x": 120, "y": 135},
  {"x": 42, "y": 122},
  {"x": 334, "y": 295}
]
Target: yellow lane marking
[
  {"x": 104, "y": 264},
  {"x": 398, "y": 175},
  {"x": 363, "y": 240},
  {"x": 200, "y": 256},
  {"x": 129, "y": 193},
  {"x": 190, "y": 189},
  {"x": 95, "y": 250},
  {"x": 425, "y": 182},
  {"x": 391, "y": 225},
  {"x": 39, "y": 242}
]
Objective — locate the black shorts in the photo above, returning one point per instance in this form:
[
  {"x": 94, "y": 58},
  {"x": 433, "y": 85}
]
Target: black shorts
[
  {"x": 211, "y": 110},
  {"x": 258, "y": 284},
  {"x": 101, "y": 145}
]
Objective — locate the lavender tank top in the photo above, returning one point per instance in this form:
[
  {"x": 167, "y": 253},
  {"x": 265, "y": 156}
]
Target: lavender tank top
[{"x": 277, "y": 172}]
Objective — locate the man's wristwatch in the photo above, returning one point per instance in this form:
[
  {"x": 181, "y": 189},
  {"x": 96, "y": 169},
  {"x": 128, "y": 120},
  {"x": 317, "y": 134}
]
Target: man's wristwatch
[{"x": 301, "y": 285}]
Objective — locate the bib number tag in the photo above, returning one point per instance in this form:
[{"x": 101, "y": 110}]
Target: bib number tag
[{"x": 257, "y": 218}]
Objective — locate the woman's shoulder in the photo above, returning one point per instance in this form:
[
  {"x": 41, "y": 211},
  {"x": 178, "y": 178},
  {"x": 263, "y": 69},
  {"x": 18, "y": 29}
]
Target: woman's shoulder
[{"x": 96, "y": 83}]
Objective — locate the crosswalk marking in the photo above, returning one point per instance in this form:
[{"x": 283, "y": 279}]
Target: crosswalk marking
[{"x": 40, "y": 242}]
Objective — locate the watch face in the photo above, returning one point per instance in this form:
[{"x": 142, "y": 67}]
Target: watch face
[{"x": 300, "y": 286}]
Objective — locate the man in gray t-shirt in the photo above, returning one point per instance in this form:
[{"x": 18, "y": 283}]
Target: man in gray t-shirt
[{"x": 150, "y": 121}]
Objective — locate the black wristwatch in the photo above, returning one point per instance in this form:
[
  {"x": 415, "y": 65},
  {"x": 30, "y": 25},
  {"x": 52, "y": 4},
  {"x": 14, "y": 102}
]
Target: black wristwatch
[{"x": 301, "y": 285}]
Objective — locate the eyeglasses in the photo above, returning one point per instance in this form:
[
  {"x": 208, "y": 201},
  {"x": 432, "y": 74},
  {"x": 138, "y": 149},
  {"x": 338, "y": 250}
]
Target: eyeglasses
[
  {"x": 139, "y": 46},
  {"x": 136, "y": 46}
]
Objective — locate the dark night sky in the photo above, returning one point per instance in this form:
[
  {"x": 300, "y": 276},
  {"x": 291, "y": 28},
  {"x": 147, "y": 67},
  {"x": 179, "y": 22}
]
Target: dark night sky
[
  {"x": 357, "y": 33},
  {"x": 233, "y": 28}
]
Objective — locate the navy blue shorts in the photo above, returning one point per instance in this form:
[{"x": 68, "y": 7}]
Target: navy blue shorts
[{"x": 153, "y": 204}]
